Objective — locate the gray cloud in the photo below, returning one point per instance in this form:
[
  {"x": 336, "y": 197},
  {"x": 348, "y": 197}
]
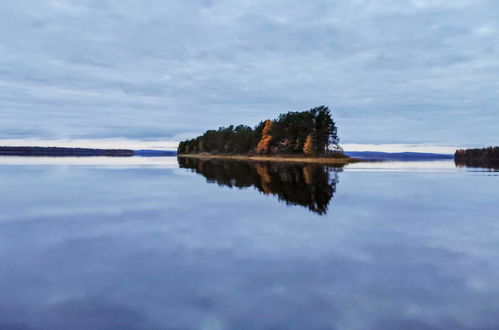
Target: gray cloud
[{"x": 411, "y": 71}]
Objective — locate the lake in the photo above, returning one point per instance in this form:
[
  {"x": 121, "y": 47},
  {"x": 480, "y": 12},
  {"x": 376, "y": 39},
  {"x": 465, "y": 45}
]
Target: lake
[{"x": 150, "y": 243}]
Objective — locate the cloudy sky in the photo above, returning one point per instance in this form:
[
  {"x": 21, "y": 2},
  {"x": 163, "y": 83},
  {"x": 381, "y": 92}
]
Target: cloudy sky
[{"x": 401, "y": 72}]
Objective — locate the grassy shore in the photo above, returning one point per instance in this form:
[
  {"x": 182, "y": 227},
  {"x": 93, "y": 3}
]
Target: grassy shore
[{"x": 282, "y": 159}]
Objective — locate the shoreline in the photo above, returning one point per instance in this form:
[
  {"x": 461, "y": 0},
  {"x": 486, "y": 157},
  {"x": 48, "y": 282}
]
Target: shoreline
[
  {"x": 25, "y": 151},
  {"x": 278, "y": 159}
]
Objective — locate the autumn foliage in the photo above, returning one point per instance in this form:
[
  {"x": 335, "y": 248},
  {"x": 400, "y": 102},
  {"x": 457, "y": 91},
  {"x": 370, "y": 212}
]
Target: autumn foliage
[
  {"x": 308, "y": 148},
  {"x": 263, "y": 145}
]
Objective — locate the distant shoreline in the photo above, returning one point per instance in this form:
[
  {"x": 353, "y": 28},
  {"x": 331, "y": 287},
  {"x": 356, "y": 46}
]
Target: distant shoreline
[
  {"x": 280, "y": 159},
  {"x": 64, "y": 152}
]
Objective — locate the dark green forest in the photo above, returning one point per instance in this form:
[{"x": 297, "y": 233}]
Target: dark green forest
[
  {"x": 309, "y": 133},
  {"x": 478, "y": 157}
]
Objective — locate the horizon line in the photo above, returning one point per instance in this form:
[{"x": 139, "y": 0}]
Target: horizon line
[{"x": 169, "y": 145}]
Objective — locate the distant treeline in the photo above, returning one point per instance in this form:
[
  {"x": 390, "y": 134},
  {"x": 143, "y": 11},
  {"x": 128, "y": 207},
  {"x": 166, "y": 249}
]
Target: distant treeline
[
  {"x": 63, "y": 152},
  {"x": 479, "y": 157},
  {"x": 311, "y": 186},
  {"x": 310, "y": 133}
]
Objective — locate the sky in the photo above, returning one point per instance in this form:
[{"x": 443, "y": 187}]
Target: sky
[{"x": 396, "y": 73}]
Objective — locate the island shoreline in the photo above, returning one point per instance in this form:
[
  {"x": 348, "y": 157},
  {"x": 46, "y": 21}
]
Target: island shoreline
[{"x": 277, "y": 159}]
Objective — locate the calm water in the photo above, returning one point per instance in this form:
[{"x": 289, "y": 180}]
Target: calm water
[{"x": 145, "y": 243}]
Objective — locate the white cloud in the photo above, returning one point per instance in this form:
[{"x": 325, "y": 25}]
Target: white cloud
[
  {"x": 444, "y": 3},
  {"x": 486, "y": 29}
]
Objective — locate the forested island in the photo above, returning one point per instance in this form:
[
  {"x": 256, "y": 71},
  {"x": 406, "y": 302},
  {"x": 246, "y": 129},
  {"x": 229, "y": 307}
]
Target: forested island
[
  {"x": 478, "y": 157},
  {"x": 63, "y": 152},
  {"x": 296, "y": 135}
]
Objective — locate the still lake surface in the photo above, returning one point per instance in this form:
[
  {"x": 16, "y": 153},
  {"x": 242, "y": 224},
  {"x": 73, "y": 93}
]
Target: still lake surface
[{"x": 148, "y": 243}]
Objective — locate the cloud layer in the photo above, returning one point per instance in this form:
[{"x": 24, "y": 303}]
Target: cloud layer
[{"x": 393, "y": 71}]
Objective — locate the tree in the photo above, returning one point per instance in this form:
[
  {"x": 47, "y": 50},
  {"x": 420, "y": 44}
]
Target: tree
[
  {"x": 263, "y": 145},
  {"x": 308, "y": 148},
  {"x": 326, "y": 130}
]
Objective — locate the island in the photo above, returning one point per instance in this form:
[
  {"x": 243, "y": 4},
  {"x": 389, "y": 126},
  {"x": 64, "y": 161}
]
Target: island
[
  {"x": 478, "y": 157},
  {"x": 298, "y": 136},
  {"x": 63, "y": 152}
]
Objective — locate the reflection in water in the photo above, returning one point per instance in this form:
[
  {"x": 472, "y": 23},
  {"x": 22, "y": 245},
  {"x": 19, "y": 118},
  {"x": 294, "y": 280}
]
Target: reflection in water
[
  {"x": 309, "y": 185},
  {"x": 106, "y": 247},
  {"x": 488, "y": 164}
]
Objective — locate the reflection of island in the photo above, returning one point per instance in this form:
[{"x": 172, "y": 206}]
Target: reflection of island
[{"x": 309, "y": 185}]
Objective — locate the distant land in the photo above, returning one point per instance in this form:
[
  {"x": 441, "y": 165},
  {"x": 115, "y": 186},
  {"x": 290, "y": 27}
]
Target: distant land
[
  {"x": 404, "y": 156},
  {"x": 80, "y": 152},
  {"x": 63, "y": 152},
  {"x": 154, "y": 153}
]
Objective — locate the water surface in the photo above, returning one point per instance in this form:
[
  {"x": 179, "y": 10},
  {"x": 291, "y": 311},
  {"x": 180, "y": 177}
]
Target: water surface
[{"x": 145, "y": 244}]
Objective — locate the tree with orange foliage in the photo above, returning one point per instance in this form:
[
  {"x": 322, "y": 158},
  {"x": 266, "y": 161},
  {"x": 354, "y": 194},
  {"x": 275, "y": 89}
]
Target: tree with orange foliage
[
  {"x": 263, "y": 145},
  {"x": 308, "y": 147}
]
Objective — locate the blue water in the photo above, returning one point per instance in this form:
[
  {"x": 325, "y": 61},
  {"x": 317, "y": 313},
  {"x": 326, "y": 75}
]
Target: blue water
[{"x": 144, "y": 244}]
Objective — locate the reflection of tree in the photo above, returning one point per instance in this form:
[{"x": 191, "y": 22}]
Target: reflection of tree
[
  {"x": 266, "y": 179},
  {"x": 312, "y": 186}
]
